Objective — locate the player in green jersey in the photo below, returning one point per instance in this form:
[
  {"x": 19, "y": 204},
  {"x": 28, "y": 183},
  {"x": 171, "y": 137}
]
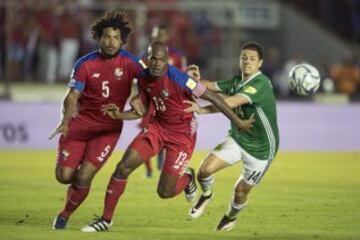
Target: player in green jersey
[{"x": 248, "y": 94}]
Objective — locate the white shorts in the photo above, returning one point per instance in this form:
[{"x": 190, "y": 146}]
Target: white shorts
[{"x": 231, "y": 152}]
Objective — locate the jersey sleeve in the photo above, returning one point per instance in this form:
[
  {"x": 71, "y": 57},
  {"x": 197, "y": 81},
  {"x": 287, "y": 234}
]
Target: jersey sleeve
[
  {"x": 225, "y": 86},
  {"x": 196, "y": 88},
  {"x": 78, "y": 76}
]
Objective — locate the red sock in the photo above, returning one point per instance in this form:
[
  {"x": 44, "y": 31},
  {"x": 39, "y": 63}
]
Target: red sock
[
  {"x": 182, "y": 182},
  {"x": 75, "y": 196},
  {"x": 114, "y": 190}
]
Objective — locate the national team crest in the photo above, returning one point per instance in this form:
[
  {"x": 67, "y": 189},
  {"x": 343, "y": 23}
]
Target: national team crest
[
  {"x": 165, "y": 93},
  {"x": 118, "y": 72}
]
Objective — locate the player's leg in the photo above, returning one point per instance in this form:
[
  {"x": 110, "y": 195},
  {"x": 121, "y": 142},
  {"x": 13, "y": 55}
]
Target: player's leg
[
  {"x": 224, "y": 155},
  {"x": 138, "y": 151},
  {"x": 148, "y": 168},
  {"x": 175, "y": 176},
  {"x": 70, "y": 154},
  {"x": 254, "y": 169},
  {"x": 79, "y": 189}
]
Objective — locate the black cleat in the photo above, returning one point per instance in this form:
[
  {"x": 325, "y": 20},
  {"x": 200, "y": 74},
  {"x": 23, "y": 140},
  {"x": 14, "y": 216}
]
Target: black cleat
[
  {"x": 199, "y": 207},
  {"x": 226, "y": 224}
]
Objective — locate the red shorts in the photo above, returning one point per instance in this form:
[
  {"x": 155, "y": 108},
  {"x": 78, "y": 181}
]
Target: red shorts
[
  {"x": 179, "y": 147},
  {"x": 85, "y": 143}
]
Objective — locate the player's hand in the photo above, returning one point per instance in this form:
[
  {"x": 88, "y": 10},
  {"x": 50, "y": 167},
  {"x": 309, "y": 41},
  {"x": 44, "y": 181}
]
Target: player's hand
[
  {"x": 137, "y": 105},
  {"x": 248, "y": 123},
  {"x": 194, "y": 72},
  {"x": 61, "y": 128},
  {"x": 194, "y": 106},
  {"x": 112, "y": 110}
]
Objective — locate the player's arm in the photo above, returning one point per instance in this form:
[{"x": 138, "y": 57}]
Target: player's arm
[
  {"x": 194, "y": 72},
  {"x": 220, "y": 104},
  {"x": 113, "y": 111},
  {"x": 68, "y": 110},
  {"x": 231, "y": 101}
]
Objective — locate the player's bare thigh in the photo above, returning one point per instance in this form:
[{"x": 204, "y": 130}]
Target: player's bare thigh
[{"x": 212, "y": 164}]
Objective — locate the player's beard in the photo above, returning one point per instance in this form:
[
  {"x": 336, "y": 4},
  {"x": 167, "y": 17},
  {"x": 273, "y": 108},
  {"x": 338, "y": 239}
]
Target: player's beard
[{"x": 109, "y": 55}]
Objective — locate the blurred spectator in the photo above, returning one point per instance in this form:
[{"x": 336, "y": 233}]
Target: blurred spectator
[
  {"x": 48, "y": 49},
  {"x": 272, "y": 67},
  {"x": 346, "y": 76},
  {"x": 69, "y": 35}
]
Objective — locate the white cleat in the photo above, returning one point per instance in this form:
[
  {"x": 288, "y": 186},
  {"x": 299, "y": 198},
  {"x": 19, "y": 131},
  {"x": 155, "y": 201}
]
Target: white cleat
[{"x": 99, "y": 225}]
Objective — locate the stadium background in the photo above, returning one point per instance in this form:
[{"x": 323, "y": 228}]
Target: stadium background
[{"x": 320, "y": 134}]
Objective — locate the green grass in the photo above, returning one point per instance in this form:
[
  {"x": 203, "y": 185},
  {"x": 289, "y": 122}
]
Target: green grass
[{"x": 303, "y": 196}]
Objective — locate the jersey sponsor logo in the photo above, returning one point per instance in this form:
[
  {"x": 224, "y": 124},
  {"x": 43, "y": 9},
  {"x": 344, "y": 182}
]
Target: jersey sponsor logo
[
  {"x": 165, "y": 93},
  {"x": 191, "y": 84},
  {"x": 95, "y": 75},
  {"x": 250, "y": 90},
  {"x": 118, "y": 72}
]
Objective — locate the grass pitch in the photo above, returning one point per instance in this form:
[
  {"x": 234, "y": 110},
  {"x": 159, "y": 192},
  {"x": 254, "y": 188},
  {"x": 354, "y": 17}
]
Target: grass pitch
[{"x": 303, "y": 196}]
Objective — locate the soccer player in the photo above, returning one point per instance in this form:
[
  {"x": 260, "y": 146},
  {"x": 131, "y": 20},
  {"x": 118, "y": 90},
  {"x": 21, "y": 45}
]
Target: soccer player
[
  {"x": 176, "y": 58},
  {"x": 171, "y": 127},
  {"x": 248, "y": 94},
  {"x": 87, "y": 136}
]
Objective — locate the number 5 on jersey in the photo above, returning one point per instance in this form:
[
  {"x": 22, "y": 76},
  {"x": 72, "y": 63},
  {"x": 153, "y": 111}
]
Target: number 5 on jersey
[{"x": 105, "y": 89}]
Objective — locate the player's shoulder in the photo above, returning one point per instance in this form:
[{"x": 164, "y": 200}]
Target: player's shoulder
[
  {"x": 126, "y": 54},
  {"x": 262, "y": 80},
  {"x": 86, "y": 58},
  {"x": 175, "y": 72},
  {"x": 133, "y": 58}
]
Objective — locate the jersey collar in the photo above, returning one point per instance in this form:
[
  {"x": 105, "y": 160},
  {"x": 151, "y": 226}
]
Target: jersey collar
[{"x": 241, "y": 84}]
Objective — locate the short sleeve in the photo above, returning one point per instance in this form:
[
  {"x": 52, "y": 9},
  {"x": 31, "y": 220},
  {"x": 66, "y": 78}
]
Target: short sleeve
[
  {"x": 186, "y": 82},
  {"x": 78, "y": 76}
]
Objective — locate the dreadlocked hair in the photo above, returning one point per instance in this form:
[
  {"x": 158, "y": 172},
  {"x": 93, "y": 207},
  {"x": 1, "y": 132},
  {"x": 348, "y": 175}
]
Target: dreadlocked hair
[{"x": 114, "y": 19}]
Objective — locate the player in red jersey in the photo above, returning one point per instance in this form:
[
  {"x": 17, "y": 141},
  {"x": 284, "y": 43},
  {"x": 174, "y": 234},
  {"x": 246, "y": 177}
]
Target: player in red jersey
[
  {"x": 87, "y": 136},
  {"x": 176, "y": 58},
  {"x": 171, "y": 128}
]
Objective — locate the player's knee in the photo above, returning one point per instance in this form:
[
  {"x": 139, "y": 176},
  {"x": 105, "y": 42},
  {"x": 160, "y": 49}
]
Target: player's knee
[
  {"x": 63, "y": 178},
  {"x": 205, "y": 172},
  {"x": 241, "y": 191},
  {"x": 165, "y": 193},
  {"x": 83, "y": 179},
  {"x": 122, "y": 172}
]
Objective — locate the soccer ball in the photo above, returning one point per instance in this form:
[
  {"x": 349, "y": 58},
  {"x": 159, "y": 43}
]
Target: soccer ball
[{"x": 304, "y": 79}]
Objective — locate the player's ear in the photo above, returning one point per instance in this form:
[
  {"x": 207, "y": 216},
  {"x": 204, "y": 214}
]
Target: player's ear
[{"x": 260, "y": 63}]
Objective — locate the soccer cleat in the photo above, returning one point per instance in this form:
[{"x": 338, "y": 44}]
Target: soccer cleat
[
  {"x": 99, "y": 225},
  {"x": 226, "y": 224},
  {"x": 199, "y": 207},
  {"x": 59, "y": 223},
  {"x": 190, "y": 189}
]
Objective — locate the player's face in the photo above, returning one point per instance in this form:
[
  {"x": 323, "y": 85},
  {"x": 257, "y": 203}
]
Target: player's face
[
  {"x": 249, "y": 62},
  {"x": 110, "y": 41},
  {"x": 157, "y": 62},
  {"x": 163, "y": 36}
]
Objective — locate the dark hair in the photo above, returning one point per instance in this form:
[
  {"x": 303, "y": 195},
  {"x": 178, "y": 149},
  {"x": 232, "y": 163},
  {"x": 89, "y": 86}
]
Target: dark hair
[
  {"x": 114, "y": 19},
  {"x": 254, "y": 46}
]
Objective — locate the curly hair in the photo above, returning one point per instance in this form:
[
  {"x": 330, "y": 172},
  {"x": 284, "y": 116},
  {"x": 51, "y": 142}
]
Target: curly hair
[{"x": 115, "y": 19}]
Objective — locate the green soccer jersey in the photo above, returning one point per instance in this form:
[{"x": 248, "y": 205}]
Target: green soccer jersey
[{"x": 263, "y": 140}]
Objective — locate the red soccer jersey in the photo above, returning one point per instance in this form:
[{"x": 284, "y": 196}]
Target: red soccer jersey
[
  {"x": 102, "y": 81},
  {"x": 167, "y": 95}
]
